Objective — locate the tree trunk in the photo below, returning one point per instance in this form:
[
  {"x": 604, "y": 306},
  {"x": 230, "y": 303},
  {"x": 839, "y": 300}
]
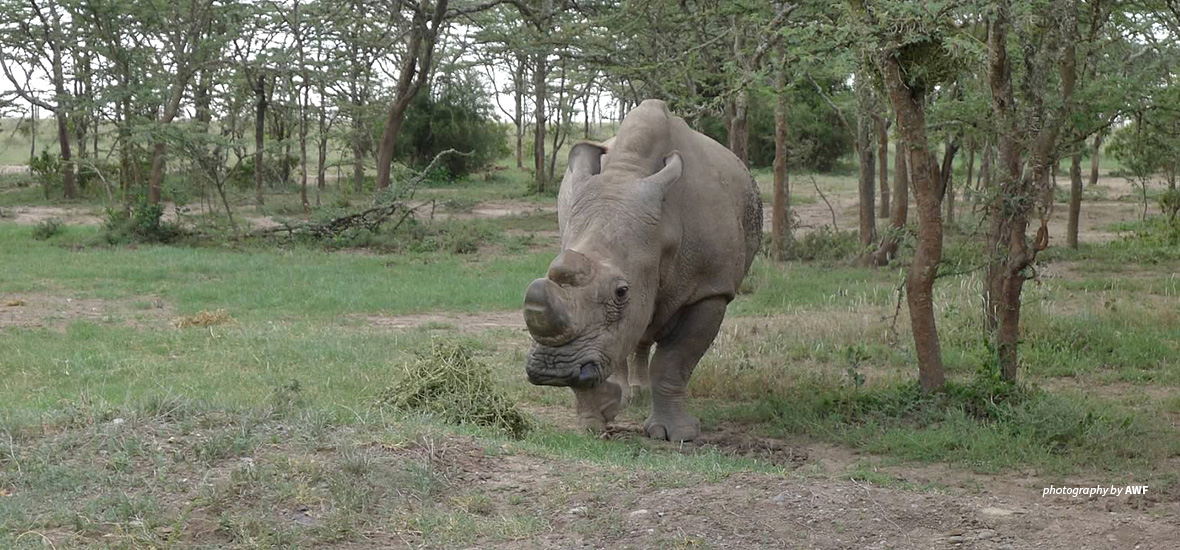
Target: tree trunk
[
  {"x": 321, "y": 144},
  {"x": 947, "y": 175},
  {"x": 1008, "y": 249},
  {"x": 586, "y": 114},
  {"x": 1075, "y": 200},
  {"x": 969, "y": 182},
  {"x": 518, "y": 95},
  {"x": 259, "y": 135},
  {"x": 358, "y": 153},
  {"x": 63, "y": 124},
  {"x": 883, "y": 163},
  {"x": 156, "y": 183},
  {"x": 985, "y": 168},
  {"x": 1094, "y": 159},
  {"x": 780, "y": 230},
  {"x": 415, "y": 69},
  {"x": 539, "y": 122},
  {"x": 911, "y": 122},
  {"x": 864, "y": 153},
  {"x": 67, "y": 166},
  {"x": 739, "y": 135},
  {"x": 33, "y": 132},
  {"x": 898, "y": 212}
]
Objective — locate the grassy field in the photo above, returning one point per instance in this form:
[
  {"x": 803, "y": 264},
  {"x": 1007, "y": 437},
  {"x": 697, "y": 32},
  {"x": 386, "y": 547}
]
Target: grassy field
[{"x": 215, "y": 394}]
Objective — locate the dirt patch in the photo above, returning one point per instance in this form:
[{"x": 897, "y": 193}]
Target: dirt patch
[
  {"x": 42, "y": 310},
  {"x": 464, "y": 322},
  {"x": 488, "y": 210},
  {"x": 68, "y": 215},
  {"x": 613, "y": 506}
]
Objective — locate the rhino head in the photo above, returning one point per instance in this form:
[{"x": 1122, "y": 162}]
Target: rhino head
[{"x": 591, "y": 309}]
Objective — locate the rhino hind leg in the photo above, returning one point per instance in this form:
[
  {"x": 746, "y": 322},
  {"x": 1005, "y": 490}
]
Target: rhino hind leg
[{"x": 672, "y": 365}]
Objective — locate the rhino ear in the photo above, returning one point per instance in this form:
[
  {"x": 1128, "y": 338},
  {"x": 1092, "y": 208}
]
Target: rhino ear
[
  {"x": 585, "y": 160},
  {"x": 657, "y": 184}
]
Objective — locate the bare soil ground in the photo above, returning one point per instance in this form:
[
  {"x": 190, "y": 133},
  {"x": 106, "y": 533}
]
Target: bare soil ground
[
  {"x": 810, "y": 504},
  {"x": 488, "y": 210},
  {"x": 463, "y": 322},
  {"x": 69, "y": 215},
  {"x": 42, "y": 310}
]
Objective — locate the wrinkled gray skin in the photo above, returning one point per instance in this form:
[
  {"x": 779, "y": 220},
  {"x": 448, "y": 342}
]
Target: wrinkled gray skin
[{"x": 658, "y": 228}]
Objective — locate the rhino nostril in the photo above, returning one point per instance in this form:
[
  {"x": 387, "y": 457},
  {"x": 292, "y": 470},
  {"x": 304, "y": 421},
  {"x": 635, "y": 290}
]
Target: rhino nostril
[{"x": 589, "y": 375}]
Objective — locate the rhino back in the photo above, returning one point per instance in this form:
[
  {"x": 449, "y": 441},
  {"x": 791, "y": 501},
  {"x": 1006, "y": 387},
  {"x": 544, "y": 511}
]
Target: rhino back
[{"x": 712, "y": 225}]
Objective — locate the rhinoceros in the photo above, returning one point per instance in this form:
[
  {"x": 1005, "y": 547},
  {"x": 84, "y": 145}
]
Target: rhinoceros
[{"x": 659, "y": 225}]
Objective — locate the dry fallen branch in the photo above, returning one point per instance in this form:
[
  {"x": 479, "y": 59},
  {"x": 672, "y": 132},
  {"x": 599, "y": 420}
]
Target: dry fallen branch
[{"x": 371, "y": 219}]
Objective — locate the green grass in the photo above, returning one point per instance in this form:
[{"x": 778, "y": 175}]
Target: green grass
[{"x": 121, "y": 430}]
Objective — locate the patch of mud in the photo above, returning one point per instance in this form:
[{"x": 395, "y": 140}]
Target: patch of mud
[
  {"x": 41, "y": 310},
  {"x": 463, "y": 322}
]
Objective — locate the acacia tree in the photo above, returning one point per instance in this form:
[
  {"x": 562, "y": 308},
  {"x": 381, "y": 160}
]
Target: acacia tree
[
  {"x": 911, "y": 59},
  {"x": 426, "y": 21},
  {"x": 1029, "y": 126},
  {"x": 36, "y": 47}
]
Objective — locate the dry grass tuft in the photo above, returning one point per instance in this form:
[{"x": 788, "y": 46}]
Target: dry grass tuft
[
  {"x": 450, "y": 383},
  {"x": 205, "y": 318}
]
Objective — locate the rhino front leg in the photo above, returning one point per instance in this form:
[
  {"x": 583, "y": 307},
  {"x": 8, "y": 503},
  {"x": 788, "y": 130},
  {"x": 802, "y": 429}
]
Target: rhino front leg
[
  {"x": 676, "y": 356},
  {"x": 598, "y": 406}
]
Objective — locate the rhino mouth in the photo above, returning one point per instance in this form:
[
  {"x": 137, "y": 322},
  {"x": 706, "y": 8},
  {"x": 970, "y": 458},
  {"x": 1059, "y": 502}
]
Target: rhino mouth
[{"x": 556, "y": 367}]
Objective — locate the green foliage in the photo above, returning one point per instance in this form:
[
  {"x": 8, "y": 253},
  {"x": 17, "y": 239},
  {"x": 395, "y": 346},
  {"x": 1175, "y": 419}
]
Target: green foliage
[
  {"x": 1153, "y": 240},
  {"x": 827, "y": 245},
  {"x": 46, "y": 229},
  {"x": 454, "y": 115},
  {"x": 47, "y": 169},
  {"x": 984, "y": 422},
  {"x": 449, "y": 382},
  {"x": 143, "y": 224},
  {"x": 92, "y": 173},
  {"x": 817, "y": 139},
  {"x": 241, "y": 175},
  {"x": 1169, "y": 202}
]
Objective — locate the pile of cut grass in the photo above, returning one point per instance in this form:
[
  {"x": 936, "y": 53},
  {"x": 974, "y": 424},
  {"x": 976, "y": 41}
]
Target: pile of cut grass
[
  {"x": 205, "y": 318},
  {"x": 449, "y": 383}
]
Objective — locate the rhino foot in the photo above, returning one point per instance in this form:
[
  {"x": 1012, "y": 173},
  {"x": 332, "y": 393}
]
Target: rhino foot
[{"x": 675, "y": 429}]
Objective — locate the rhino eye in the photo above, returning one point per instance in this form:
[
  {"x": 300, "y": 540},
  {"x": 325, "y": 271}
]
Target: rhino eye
[{"x": 621, "y": 291}]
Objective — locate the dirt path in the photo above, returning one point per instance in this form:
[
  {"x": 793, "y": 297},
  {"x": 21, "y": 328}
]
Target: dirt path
[
  {"x": 487, "y": 210},
  {"x": 68, "y": 215}
]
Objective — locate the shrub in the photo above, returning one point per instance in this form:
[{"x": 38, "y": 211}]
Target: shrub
[
  {"x": 47, "y": 169},
  {"x": 448, "y": 382},
  {"x": 143, "y": 224},
  {"x": 454, "y": 115},
  {"x": 241, "y": 175},
  {"x": 46, "y": 229},
  {"x": 826, "y": 244},
  {"x": 1170, "y": 204},
  {"x": 93, "y": 173}
]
